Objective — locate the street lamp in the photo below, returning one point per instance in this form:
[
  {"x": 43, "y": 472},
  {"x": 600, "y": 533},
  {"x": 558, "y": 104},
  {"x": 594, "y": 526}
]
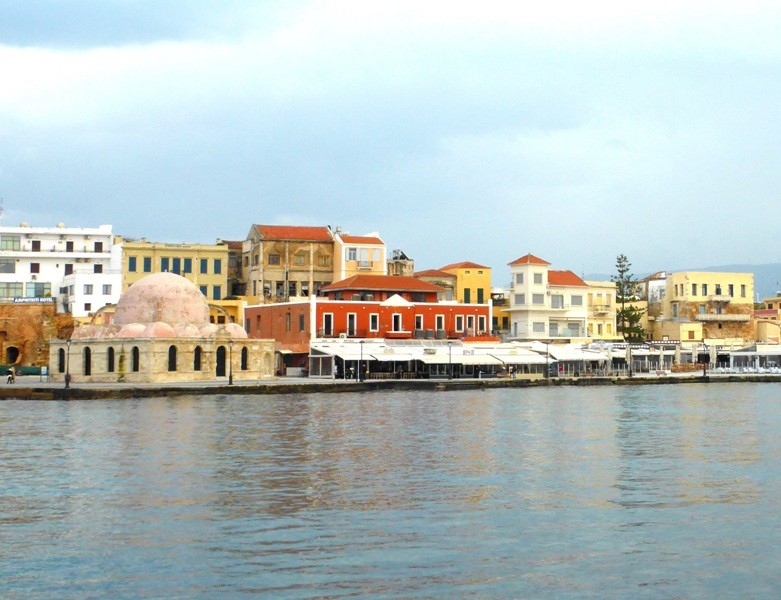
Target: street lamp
[
  {"x": 450, "y": 359},
  {"x": 360, "y": 363},
  {"x": 68, "y": 364},
  {"x": 230, "y": 361}
]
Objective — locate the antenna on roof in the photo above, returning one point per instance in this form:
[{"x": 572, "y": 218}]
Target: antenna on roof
[{"x": 2, "y": 208}]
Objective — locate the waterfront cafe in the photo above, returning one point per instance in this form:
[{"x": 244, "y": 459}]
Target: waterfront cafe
[
  {"x": 760, "y": 358},
  {"x": 421, "y": 359}
]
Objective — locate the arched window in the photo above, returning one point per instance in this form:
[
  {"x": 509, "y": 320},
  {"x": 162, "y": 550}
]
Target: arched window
[
  {"x": 244, "y": 358},
  {"x": 221, "y": 361},
  {"x": 172, "y": 358},
  {"x": 197, "y": 358},
  {"x": 61, "y": 360},
  {"x": 110, "y": 360},
  {"x": 87, "y": 361},
  {"x": 135, "y": 359}
]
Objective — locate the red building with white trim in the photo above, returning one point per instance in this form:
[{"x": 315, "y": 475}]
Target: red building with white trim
[{"x": 366, "y": 306}]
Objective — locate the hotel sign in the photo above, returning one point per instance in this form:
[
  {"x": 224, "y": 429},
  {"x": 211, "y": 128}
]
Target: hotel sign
[{"x": 33, "y": 300}]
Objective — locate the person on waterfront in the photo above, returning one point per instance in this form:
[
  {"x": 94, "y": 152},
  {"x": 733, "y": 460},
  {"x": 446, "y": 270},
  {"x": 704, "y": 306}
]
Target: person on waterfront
[{"x": 11, "y": 375}]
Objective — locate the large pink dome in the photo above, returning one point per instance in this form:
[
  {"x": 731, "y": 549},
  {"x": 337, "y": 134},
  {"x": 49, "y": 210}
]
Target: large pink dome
[{"x": 162, "y": 298}]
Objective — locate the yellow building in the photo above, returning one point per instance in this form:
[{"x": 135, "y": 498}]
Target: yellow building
[
  {"x": 358, "y": 255},
  {"x": 205, "y": 265},
  {"x": 472, "y": 284},
  {"x": 703, "y": 306},
  {"x": 602, "y": 310}
]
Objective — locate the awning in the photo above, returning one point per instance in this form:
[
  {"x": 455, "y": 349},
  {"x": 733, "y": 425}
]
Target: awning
[
  {"x": 530, "y": 358},
  {"x": 564, "y": 353},
  {"x": 392, "y": 357},
  {"x": 459, "y": 359}
]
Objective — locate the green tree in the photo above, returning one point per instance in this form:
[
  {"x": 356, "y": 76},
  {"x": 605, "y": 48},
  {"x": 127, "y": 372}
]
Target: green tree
[{"x": 628, "y": 316}]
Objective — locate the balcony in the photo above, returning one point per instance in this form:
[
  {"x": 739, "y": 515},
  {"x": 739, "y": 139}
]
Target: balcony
[
  {"x": 719, "y": 298},
  {"x": 601, "y": 309}
]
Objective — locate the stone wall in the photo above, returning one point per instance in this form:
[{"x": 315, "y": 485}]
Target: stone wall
[{"x": 28, "y": 329}]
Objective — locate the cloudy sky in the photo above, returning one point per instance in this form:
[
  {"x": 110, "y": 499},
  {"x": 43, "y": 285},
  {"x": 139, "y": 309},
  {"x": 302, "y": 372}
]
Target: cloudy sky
[{"x": 459, "y": 131}]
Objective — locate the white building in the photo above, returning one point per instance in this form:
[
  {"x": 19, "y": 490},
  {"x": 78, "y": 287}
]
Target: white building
[
  {"x": 78, "y": 267},
  {"x": 546, "y": 304}
]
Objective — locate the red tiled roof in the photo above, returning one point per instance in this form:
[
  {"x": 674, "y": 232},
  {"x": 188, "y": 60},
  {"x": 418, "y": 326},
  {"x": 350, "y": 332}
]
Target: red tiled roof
[
  {"x": 233, "y": 245},
  {"x": 294, "y": 232},
  {"x": 529, "y": 259},
  {"x": 434, "y": 273},
  {"x": 463, "y": 265},
  {"x": 361, "y": 239},
  {"x": 387, "y": 283},
  {"x": 565, "y": 278}
]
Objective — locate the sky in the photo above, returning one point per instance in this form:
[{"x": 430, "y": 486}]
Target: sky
[{"x": 459, "y": 131}]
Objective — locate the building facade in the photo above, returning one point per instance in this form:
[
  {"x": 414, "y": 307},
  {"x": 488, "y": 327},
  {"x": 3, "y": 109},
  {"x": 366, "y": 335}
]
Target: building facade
[
  {"x": 472, "y": 282},
  {"x": 77, "y": 267},
  {"x": 602, "y": 311},
  {"x": 205, "y": 265},
  {"x": 282, "y": 263},
  {"x": 358, "y": 255},
  {"x": 546, "y": 303}
]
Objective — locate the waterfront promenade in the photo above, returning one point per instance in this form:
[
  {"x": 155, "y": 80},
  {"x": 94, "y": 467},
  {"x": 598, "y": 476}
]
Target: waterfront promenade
[{"x": 32, "y": 387}]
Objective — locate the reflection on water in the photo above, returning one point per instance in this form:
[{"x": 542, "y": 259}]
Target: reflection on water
[{"x": 659, "y": 490}]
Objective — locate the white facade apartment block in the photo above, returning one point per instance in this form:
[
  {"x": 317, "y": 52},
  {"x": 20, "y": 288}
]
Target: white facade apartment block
[
  {"x": 546, "y": 304},
  {"x": 78, "y": 268}
]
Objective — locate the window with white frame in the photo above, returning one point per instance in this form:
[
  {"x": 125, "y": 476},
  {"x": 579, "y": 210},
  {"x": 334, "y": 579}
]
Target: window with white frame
[
  {"x": 352, "y": 253},
  {"x": 470, "y": 324},
  {"x": 374, "y": 322},
  {"x": 538, "y": 278},
  {"x": 519, "y": 278},
  {"x": 577, "y": 300},
  {"x": 538, "y": 299},
  {"x": 87, "y": 289},
  {"x": 538, "y": 327},
  {"x": 481, "y": 324},
  {"x": 352, "y": 319},
  {"x": 106, "y": 289},
  {"x": 439, "y": 321},
  {"x": 520, "y": 299},
  {"x": 397, "y": 322},
  {"x": 418, "y": 321},
  {"x": 459, "y": 322},
  {"x": 328, "y": 323}
]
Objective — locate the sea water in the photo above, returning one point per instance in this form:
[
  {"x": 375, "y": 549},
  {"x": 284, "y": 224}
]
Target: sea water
[{"x": 644, "y": 491}]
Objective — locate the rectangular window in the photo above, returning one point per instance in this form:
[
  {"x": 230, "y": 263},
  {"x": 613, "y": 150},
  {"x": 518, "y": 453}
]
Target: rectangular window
[
  {"x": 11, "y": 289},
  {"x": 97, "y": 268},
  {"x": 519, "y": 278},
  {"x": 328, "y": 324},
  {"x": 374, "y": 322},
  {"x": 301, "y": 323},
  {"x": 702, "y": 309},
  {"x": 68, "y": 246},
  {"x": 352, "y": 319},
  {"x": 467, "y": 295},
  {"x": 98, "y": 246},
  {"x": 187, "y": 265},
  {"x": 176, "y": 265},
  {"x": 165, "y": 264},
  {"x": 731, "y": 290},
  {"x": 274, "y": 259},
  {"x": 352, "y": 253},
  {"x": 131, "y": 264},
  {"x": 147, "y": 264},
  {"x": 557, "y": 301},
  {"x": 718, "y": 289},
  {"x": 39, "y": 290},
  {"x": 480, "y": 296},
  {"x": 35, "y": 267},
  {"x": 88, "y": 306},
  {"x": 520, "y": 299},
  {"x": 694, "y": 289},
  {"x": 459, "y": 323},
  {"x": 323, "y": 261},
  {"x": 538, "y": 327},
  {"x": 204, "y": 290},
  {"x": 10, "y": 242},
  {"x": 398, "y": 322},
  {"x": 204, "y": 266},
  {"x": 69, "y": 269},
  {"x": 217, "y": 292},
  {"x": 7, "y": 265},
  {"x": 107, "y": 289},
  {"x": 288, "y": 319},
  {"x": 291, "y": 289},
  {"x": 217, "y": 266},
  {"x": 304, "y": 288},
  {"x": 577, "y": 300},
  {"x": 36, "y": 246},
  {"x": 299, "y": 259},
  {"x": 481, "y": 324},
  {"x": 418, "y": 322},
  {"x": 704, "y": 289},
  {"x": 88, "y": 289},
  {"x": 439, "y": 321},
  {"x": 538, "y": 278},
  {"x": 538, "y": 299},
  {"x": 742, "y": 290}
]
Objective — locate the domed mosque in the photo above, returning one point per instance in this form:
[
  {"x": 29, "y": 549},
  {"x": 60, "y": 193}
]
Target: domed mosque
[{"x": 161, "y": 333}]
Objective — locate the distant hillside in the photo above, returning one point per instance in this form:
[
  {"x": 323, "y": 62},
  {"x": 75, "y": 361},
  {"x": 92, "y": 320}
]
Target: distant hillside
[{"x": 767, "y": 278}]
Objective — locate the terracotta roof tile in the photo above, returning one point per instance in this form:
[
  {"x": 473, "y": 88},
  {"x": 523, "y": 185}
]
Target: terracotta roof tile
[
  {"x": 392, "y": 283},
  {"x": 361, "y": 239},
  {"x": 567, "y": 278},
  {"x": 434, "y": 273},
  {"x": 463, "y": 265},
  {"x": 529, "y": 259},
  {"x": 294, "y": 232}
]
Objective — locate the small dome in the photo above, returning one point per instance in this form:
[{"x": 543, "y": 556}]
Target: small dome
[
  {"x": 235, "y": 331},
  {"x": 158, "y": 330},
  {"x": 132, "y": 330},
  {"x": 186, "y": 331},
  {"x": 84, "y": 332},
  {"x": 162, "y": 298},
  {"x": 208, "y": 330}
]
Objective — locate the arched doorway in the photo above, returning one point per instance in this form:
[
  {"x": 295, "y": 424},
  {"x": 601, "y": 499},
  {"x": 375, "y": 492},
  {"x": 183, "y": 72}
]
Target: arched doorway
[
  {"x": 11, "y": 354},
  {"x": 220, "y": 361}
]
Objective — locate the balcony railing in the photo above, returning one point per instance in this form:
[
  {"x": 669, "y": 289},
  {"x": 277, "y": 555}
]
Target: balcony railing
[
  {"x": 723, "y": 318},
  {"x": 719, "y": 298}
]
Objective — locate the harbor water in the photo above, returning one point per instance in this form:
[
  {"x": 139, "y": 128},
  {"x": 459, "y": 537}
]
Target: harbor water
[{"x": 568, "y": 492}]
